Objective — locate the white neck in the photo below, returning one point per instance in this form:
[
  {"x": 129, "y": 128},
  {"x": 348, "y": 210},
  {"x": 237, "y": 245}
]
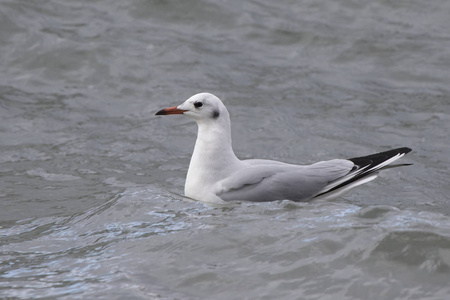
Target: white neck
[{"x": 213, "y": 154}]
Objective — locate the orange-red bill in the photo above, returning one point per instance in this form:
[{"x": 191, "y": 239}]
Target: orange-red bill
[{"x": 171, "y": 111}]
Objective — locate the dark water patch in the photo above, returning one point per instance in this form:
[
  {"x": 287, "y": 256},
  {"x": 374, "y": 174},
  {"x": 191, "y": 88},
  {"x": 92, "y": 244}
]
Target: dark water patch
[{"x": 427, "y": 251}]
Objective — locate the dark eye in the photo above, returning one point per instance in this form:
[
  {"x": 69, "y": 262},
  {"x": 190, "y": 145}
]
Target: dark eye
[{"x": 198, "y": 104}]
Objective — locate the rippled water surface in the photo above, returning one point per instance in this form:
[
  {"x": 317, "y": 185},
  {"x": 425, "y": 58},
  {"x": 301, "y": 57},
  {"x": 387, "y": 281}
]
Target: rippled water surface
[{"x": 91, "y": 182}]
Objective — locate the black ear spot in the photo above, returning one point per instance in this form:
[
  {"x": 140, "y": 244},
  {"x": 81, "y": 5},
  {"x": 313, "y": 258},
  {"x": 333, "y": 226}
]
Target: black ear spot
[
  {"x": 215, "y": 114},
  {"x": 198, "y": 104}
]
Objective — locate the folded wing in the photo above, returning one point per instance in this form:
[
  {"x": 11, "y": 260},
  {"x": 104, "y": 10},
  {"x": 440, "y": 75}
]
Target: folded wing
[{"x": 266, "y": 181}]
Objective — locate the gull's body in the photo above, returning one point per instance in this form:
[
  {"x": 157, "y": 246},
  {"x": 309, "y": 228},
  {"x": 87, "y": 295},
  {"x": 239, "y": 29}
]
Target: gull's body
[{"x": 215, "y": 173}]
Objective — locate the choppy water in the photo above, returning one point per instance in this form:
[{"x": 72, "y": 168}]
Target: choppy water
[{"x": 91, "y": 181}]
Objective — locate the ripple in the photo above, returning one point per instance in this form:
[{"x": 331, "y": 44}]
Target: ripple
[{"x": 426, "y": 250}]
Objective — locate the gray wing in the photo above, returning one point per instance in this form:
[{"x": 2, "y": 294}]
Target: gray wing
[{"x": 263, "y": 180}]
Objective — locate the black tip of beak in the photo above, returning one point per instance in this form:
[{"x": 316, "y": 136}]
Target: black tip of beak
[{"x": 161, "y": 112}]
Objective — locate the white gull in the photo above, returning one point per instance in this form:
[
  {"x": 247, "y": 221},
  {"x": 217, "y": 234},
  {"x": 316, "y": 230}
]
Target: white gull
[{"x": 215, "y": 173}]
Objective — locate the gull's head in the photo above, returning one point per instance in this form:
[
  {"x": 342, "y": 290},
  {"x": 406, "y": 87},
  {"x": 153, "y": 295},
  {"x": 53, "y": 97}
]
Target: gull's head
[{"x": 200, "y": 107}]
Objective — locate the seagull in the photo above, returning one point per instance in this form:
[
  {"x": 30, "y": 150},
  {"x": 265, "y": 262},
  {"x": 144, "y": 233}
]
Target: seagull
[{"x": 216, "y": 175}]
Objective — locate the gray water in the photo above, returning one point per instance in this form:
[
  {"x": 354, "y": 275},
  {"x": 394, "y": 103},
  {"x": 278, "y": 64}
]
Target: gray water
[{"x": 91, "y": 182}]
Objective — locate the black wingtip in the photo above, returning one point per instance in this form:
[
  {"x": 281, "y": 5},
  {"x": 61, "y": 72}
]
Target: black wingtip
[
  {"x": 404, "y": 150},
  {"x": 382, "y": 155},
  {"x": 370, "y": 164},
  {"x": 395, "y": 166}
]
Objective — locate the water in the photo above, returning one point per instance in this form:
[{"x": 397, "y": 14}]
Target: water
[{"x": 91, "y": 203}]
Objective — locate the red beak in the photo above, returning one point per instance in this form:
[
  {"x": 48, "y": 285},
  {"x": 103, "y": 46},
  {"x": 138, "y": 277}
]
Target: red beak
[{"x": 170, "y": 111}]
